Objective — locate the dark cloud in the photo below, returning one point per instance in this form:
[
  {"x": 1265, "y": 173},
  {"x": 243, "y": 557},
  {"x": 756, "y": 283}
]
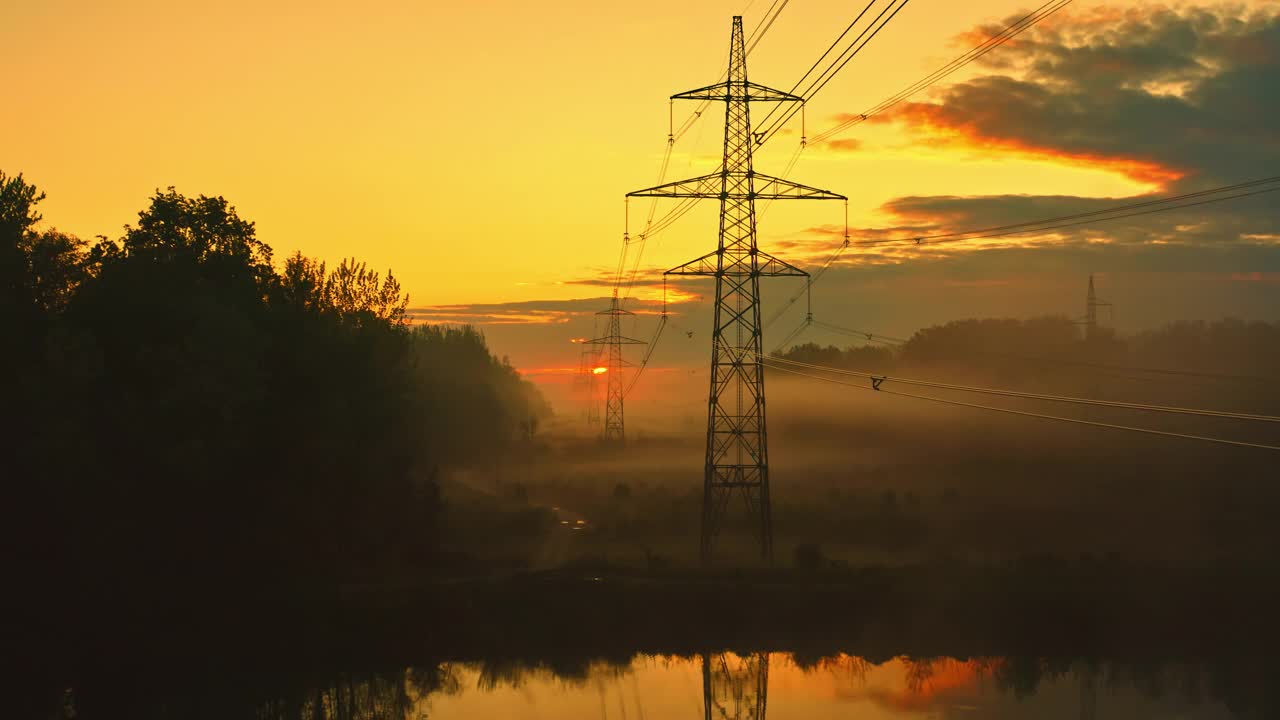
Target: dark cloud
[
  {"x": 1194, "y": 91},
  {"x": 1183, "y": 99},
  {"x": 529, "y": 312}
]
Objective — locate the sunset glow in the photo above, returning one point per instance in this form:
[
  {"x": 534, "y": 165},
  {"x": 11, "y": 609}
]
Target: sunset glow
[{"x": 498, "y": 202}]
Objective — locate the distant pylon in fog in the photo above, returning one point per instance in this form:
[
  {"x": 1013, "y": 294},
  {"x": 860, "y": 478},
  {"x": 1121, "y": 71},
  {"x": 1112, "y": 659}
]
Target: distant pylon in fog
[
  {"x": 612, "y": 342},
  {"x": 1091, "y": 305}
]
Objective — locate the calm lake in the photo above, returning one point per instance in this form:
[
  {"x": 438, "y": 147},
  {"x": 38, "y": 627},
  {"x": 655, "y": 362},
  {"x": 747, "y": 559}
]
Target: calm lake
[
  {"x": 727, "y": 686},
  {"x": 776, "y": 686}
]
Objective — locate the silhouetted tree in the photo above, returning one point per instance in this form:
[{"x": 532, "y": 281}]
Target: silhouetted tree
[{"x": 203, "y": 436}]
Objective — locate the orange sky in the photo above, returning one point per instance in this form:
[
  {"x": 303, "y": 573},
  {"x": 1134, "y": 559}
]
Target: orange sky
[{"x": 481, "y": 150}]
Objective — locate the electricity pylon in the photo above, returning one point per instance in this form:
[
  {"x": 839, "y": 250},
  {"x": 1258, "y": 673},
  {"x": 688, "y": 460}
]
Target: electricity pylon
[
  {"x": 737, "y": 459},
  {"x": 735, "y": 688},
  {"x": 613, "y": 340},
  {"x": 1091, "y": 305}
]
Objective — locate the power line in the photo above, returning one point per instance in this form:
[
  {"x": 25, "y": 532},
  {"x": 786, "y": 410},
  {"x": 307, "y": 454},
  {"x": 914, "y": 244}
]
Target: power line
[
  {"x": 853, "y": 49},
  {"x": 1006, "y": 34},
  {"x": 1042, "y": 360},
  {"x": 757, "y": 34},
  {"x": 684, "y": 207},
  {"x": 644, "y": 236},
  {"x": 794, "y": 334},
  {"x": 878, "y": 380},
  {"x": 648, "y": 353},
  {"x": 813, "y": 278},
  {"x": 822, "y": 57},
  {"x": 869, "y": 336},
  {"x": 840, "y": 62},
  {"x": 1023, "y": 413},
  {"x": 1118, "y": 212},
  {"x": 835, "y": 66},
  {"x": 756, "y": 38},
  {"x": 737, "y": 459},
  {"x": 1039, "y": 359}
]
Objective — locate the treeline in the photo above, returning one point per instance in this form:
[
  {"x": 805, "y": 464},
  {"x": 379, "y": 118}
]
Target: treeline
[
  {"x": 194, "y": 427},
  {"x": 1229, "y": 359}
]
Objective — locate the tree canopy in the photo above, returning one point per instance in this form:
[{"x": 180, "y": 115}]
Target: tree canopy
[{"x": 195, "y": 427}]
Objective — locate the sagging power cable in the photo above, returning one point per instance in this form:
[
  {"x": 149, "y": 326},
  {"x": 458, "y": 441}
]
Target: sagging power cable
[
  {"x": 878, "y": 380},
  {"x": 1000, "y": 38},
  {"x": 851, "y": 51},
  {"x": 1024, "y": 413}
]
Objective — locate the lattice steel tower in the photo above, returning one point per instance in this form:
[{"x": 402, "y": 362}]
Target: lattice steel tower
[
  {"x": 737, "y": 459},
  {"x": 735, "y": 687},
  {"x": 613, "y": 341},
  {"x": 1091, "y": 305}
]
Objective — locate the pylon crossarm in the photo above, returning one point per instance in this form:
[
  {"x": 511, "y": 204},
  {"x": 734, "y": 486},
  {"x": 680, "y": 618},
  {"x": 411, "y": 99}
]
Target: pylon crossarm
[
  {"x": 768, "y": 187},
  {"x": 705, "y": 186},
  {"x": 705, "y": 265},
  {"x": 770, "y": 266},
  {"x": 763, "y": 187},
  {"x": 730, "y": 92},
  {"x": 610, "y": 341}
]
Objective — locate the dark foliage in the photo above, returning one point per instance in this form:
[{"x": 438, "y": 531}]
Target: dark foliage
[
  {"x": 1228, "y": 363},
  {"x": 199, "y": 441}
]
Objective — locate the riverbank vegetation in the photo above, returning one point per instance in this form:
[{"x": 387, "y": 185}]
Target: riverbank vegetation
[{"x": 197, "y": 429}]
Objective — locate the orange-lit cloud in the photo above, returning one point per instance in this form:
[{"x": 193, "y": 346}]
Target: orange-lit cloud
[
  {"x": 645, "y": 285},
  {"x": 841, "y": 145},
  {"x": 1267, "y": 278},
  {"x": 551, "y": 376},
  {"x": 940, "y": 126},
  {"x": 462, "y": 314},
  {"x": 902, "y": 685}
]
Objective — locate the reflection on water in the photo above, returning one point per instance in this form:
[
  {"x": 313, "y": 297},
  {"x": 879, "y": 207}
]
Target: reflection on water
[
  {"x": 728, "y": 686},
  {"x": 734, "y": 687}
]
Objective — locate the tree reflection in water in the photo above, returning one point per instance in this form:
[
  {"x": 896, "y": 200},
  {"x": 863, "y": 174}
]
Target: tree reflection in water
[{"x": 734, "y": 687}]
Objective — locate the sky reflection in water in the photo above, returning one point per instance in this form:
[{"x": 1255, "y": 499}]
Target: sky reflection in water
[{"x": 844, "y": 687}]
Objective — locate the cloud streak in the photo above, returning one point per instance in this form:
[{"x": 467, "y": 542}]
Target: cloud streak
[{"x": 1180, "y": 100}]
